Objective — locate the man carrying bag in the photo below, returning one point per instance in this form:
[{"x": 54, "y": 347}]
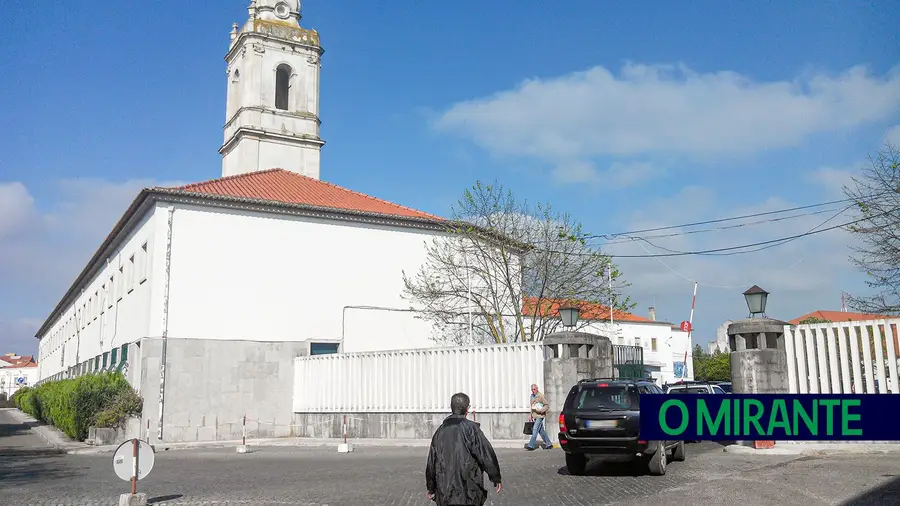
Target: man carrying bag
[{"x": 539, "y": 408}]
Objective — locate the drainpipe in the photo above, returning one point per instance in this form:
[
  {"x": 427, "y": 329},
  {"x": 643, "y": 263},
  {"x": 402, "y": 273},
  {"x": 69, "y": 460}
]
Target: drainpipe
[{"x": 165, "y": 323}]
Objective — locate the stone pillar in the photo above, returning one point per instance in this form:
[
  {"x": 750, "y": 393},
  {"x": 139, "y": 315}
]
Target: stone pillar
[
  {"x": 568, "y": 358},
  {"x": 758, "y": 360}
]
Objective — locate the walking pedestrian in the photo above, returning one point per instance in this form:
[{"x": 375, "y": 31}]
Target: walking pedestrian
[
  {"x": 459, "y": 456},
  {"x": 539, "y": 408}
]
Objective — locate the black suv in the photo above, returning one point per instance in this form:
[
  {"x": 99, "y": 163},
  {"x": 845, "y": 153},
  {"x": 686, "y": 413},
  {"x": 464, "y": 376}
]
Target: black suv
[{"x": 601, "y": 417}]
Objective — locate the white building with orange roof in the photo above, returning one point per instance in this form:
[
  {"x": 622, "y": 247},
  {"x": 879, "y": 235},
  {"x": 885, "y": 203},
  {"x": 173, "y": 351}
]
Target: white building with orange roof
[
  {"x": 16, "y": 371},
  {"x": 665, "y": 347},
  {"x": 203, "y": 294}
]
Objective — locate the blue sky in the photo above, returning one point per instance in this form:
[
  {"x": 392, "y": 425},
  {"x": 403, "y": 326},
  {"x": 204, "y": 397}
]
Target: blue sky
[{"x": 631, "y": 117}]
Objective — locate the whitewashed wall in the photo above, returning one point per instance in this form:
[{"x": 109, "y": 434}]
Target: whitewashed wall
[
  {"x": 112, "y": 309},
  {"x": 244, "y": 275},
  {"x": 496, "y": 379},
  {"x": 840, "y": 357}
]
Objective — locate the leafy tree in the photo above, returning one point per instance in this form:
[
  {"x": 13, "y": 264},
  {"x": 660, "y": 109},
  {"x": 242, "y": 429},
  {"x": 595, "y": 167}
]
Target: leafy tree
[
  {"x": 876, "y": 197},
  {"x": 714, "y": 367},
  {"x": 502, "y": 256}
]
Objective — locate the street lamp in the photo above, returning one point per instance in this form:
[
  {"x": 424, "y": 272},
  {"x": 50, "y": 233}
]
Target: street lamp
[
  {"x": 569, "y": 315},
  {"x": 756, "y": 300}
]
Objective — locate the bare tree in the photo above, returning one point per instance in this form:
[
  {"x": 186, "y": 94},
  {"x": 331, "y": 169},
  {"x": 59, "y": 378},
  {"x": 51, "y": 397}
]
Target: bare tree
[
  {"x": 876, "y": 196},
  {"x": 504, "y": 269}
]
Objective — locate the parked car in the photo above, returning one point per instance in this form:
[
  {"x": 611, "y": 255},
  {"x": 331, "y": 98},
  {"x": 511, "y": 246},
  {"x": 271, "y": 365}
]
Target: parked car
[
  {"x": 601, "y": 418},
  {"x": 694, "y": 387},
  {"x": 724, "y": 385}
]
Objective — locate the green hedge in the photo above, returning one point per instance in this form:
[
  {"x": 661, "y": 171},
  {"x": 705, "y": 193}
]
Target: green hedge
[{"x": 72, "y": 405}]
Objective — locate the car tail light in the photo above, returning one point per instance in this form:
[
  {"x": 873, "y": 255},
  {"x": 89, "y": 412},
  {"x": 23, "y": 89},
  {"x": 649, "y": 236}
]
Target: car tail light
[
  {"x": 562, "y": 423},
  {"x": 640, "y": 442},
  {"x": 603, "y": 385}
]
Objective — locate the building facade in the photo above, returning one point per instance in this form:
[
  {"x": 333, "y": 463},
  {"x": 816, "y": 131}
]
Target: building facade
[
  {"x": 16, "y": 371},
  {"x": 667, "y": 350}
]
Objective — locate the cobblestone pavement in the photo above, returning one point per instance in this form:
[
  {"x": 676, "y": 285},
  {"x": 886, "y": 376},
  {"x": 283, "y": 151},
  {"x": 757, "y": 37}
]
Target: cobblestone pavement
[{"x": 30, "y": 474}]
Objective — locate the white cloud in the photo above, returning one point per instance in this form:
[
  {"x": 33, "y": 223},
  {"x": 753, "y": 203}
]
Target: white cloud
[
  {"x": 803, "y": 275},
  {"x": 893, "y": 136},
  {"x": 618, "y": 175},
  {"x": 666, "y": 110},
  {"x": 44, "y": 244},
  {"x": 833, "y": 180}
]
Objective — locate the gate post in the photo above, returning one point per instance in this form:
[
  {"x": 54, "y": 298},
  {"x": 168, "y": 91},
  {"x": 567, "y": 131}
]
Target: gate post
[
  {"x": 569, "y": 357},
  {"x": 758, "y": 361}
]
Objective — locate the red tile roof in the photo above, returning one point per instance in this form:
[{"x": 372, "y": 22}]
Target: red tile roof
[
  {"x": 279, "y": 185},
  {"x": 840, "y": 316},
  {"x": 588, "y": 310},
  {"x": 18, "y": 360}
]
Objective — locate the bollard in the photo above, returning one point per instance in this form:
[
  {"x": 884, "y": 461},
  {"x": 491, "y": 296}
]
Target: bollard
[
  {"x": 345, "y": 447},
  {"x": 243, "y": 447}
]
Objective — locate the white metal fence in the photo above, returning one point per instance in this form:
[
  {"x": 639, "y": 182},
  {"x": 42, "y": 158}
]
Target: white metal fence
[
  {"x": 843, "y": 357},
  {"x": 496, "y": 379}
]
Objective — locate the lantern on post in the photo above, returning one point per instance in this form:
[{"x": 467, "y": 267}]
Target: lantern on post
[
  {"x": 756, "y": 300},
  {"x": 569, "y": 315}
]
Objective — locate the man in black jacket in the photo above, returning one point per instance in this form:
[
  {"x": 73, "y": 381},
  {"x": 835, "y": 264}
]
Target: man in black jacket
[{"x": 460, "y": 454}]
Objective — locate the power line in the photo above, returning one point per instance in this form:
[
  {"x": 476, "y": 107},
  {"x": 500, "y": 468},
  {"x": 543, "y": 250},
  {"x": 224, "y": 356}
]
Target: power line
[
  {"x": 719, "y": 220},
  {"x": 612, "y": 238},
  {"x": 628, "y": 238},
  {"x": 776, "y": 242}
]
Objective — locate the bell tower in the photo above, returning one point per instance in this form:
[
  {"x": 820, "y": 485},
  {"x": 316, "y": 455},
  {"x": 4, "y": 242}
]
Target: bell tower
[{"x": 272, "y": 105}]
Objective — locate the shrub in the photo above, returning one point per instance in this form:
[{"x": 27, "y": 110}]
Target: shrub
[
  {"x": 20, "y": 396},
  {"x": 73, "y": 405},
  {"x": 125, "y": 404}
]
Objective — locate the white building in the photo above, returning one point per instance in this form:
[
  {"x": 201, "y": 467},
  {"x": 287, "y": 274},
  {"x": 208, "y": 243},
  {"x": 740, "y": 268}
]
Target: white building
[
  {"x": 16, "y": 371},
  {"x": 217, "y": 285},
  {"x": 666, "y": 348}
]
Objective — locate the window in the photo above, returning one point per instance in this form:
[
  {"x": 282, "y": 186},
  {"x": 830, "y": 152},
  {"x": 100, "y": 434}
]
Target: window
[
  {"x": 130, "y": 280},
  {"x": 323, "y": 348},
  {"x": 717, "y": 390},
  {"x": 637, "y": 341},
  {"x": 282, "y": 86},
  {"x": 104, "y": 298},
  {"x": 142, "y": 264},
  {"x": 111, "y": 292},
  {"x": 105, "y": 358},
  {"x": 115, "y": 353},
  {"x": 124, "y": 352},
  {"x": 653, "y": 343},
  {"x": 97, "y": 304},
  {"x": 607, "y": 397},
  {"x": 119, "y": 291}
]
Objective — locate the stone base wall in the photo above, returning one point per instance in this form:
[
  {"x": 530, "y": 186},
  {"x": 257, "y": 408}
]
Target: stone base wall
[
  {"x": 403, "y": 425},
  {"x": 212, "y": 384},
  {"x": 102, "y": 436}
]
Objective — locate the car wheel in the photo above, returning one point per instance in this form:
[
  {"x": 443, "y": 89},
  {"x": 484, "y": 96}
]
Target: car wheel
[
  {"x": 678, "y": 454},
  {"x": 576, "y": 463},
  {"x": 657, "y": 462}
]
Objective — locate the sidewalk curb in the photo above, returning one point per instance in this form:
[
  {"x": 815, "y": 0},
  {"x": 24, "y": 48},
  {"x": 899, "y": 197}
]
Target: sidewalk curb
[
  {"x": 290, "y": 442},
  {"x": 63, "y": 443},
  {"x": 813, "y": 449}
]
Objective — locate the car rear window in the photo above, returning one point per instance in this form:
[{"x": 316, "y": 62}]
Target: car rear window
[
  {"x": 607, "y": 397},
  {"x": 689, "y": 390}
]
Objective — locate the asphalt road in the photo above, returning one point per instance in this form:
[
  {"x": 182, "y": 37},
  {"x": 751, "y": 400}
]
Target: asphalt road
[{"x": 32, "y": 474}]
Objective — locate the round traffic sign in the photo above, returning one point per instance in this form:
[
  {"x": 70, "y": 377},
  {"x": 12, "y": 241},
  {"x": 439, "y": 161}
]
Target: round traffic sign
[
  {"x": 123, "y": 460},
  {"x": 685, "y": 326}
]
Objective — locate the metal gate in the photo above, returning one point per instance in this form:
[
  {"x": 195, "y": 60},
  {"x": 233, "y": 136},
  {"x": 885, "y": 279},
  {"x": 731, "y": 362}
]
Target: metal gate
[{"x": 628, "y": 361}]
